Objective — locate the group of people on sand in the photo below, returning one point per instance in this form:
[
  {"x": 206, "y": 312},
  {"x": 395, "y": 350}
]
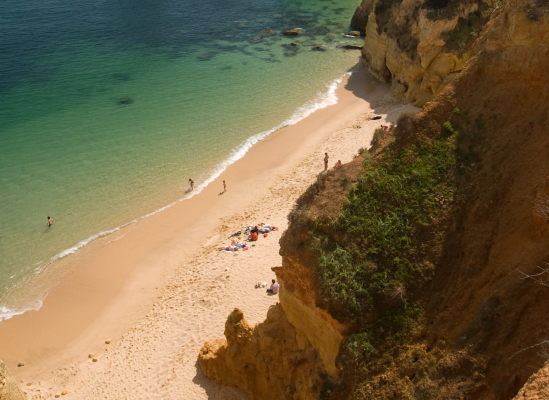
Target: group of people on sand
[{"x": 252, "y": 235}]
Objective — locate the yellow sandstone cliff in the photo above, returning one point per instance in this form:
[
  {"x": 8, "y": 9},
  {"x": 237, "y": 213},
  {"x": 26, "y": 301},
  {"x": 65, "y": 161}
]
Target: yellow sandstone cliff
[{"x": 419, "y": 46}]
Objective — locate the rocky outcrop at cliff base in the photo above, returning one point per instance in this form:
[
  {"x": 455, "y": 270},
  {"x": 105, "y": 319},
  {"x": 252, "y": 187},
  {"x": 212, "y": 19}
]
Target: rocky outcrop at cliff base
[{"x": 269, "y": 361}]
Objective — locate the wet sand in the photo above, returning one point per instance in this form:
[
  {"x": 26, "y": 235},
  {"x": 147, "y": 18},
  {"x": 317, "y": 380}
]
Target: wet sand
[{"x": 161, "y": 288}]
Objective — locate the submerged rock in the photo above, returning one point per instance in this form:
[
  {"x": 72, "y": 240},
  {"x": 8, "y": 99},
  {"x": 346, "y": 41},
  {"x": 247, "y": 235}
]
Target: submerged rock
[
  {"x": 351, "y": 47},
  {"x": 290, "y": 49},
  {"x": 292, "y": 32},
  {"x": 126, "y": 100},
  {"x": 318, "y": 47}
]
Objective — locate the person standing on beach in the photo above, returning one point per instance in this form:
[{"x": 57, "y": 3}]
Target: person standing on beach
[
  {"x": 325, "y": 161},
  {"x": 224, "y": 187},
  {"x": 50, "y": 222},
  {"x": 191, "y": 182}
]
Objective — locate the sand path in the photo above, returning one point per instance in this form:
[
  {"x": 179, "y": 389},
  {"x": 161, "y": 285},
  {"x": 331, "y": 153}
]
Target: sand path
[{"x": 154, "y": 356}]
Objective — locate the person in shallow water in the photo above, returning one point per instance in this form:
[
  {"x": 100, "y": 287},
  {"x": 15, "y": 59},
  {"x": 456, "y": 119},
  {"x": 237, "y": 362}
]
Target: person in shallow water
[
  {"x": 50, "y": 221},
  {"x": 191, "y": 183}
]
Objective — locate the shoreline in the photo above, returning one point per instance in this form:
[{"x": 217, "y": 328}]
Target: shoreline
[
  {"x": 322, "y": 101},
  {"x": 127, "y": 288}
]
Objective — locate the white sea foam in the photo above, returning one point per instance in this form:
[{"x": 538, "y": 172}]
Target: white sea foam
[
  {"x": 6, "y": 313},
  {"x": 82, "y": 243},
  {"x": 322, "y": 100}
]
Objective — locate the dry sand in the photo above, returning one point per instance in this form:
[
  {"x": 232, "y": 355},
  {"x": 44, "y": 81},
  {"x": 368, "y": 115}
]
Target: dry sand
[{"x": 161, "y": 289}]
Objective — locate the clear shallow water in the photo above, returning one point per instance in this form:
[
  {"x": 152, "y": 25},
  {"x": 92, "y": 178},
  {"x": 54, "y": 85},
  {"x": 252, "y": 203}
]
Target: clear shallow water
[{"x": 203, "y": 79}]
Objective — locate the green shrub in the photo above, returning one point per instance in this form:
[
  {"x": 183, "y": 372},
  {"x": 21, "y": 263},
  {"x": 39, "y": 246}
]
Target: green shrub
[{"x": 382, "y": 220}]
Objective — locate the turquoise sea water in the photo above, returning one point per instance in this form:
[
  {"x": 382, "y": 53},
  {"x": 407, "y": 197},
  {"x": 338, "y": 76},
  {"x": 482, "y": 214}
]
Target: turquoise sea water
[{"x": 205, "y": 82}]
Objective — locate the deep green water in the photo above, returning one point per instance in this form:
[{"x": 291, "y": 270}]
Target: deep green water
[{"x": 205, "y": 82}]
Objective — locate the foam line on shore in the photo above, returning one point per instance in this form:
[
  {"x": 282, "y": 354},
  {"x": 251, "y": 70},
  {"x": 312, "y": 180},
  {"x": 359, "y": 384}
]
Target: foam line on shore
[{"x": 322, "y": 100}]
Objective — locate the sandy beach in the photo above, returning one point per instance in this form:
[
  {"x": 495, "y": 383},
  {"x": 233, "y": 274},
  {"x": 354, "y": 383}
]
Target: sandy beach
[{"x": 159, "y": 288}]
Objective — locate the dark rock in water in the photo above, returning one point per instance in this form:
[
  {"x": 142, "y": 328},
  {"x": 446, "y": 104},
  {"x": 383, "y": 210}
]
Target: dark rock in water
[
  {"x": 258, "y": 38},
  {"x": 352, "y": 34},
  {"x": 292, "y": 32},
  {"x": 351, "y": 47},
  {"x": 290, "y": 49},
  {"x": 122, "y": 77},
  {"x": 268, "y": 31},
  {"x": 207, "y": 56},
  {"x": 318, "y": 47},
  {"x": 126, "y": 100}
]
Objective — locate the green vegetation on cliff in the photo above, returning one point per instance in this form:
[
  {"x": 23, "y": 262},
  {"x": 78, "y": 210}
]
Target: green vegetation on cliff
[
  {"x": 381, "y": 245},
  {"x": 378, "y": 251},
  {"x": 383, "y": 220}
]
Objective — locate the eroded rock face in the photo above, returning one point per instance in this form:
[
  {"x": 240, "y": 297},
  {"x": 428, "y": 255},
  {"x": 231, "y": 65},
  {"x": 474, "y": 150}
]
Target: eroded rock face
[
  {"x": 8, "y": 387},
  {"x": 409, "y": 45},
  {"x": 360, "y": 17},
  {"x": 313, "y": 325},
  {"x": 268, "y": 361}
]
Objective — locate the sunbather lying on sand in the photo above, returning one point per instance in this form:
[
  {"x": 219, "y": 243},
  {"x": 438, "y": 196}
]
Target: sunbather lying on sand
[
  {"x": 267, "y": 228},
  {"x": 234, "y": 246},
  {"x": 228, "y": 248}
]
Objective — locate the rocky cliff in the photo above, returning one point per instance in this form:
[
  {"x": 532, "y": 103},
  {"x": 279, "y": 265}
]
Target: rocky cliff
[
  {"x": 419, "y": 45},
  {"x": 420, "y": 270},
  {"x": 8, "y": 387}
]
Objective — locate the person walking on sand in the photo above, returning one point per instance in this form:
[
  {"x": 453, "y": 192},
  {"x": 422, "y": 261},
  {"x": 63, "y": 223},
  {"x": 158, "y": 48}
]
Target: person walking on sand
[
  {"x": 224, "y": 187},
  {"x": 325, "y": 161},
  {"x": 191, "y": 182},
  {"x": 50, "y": 222}
]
